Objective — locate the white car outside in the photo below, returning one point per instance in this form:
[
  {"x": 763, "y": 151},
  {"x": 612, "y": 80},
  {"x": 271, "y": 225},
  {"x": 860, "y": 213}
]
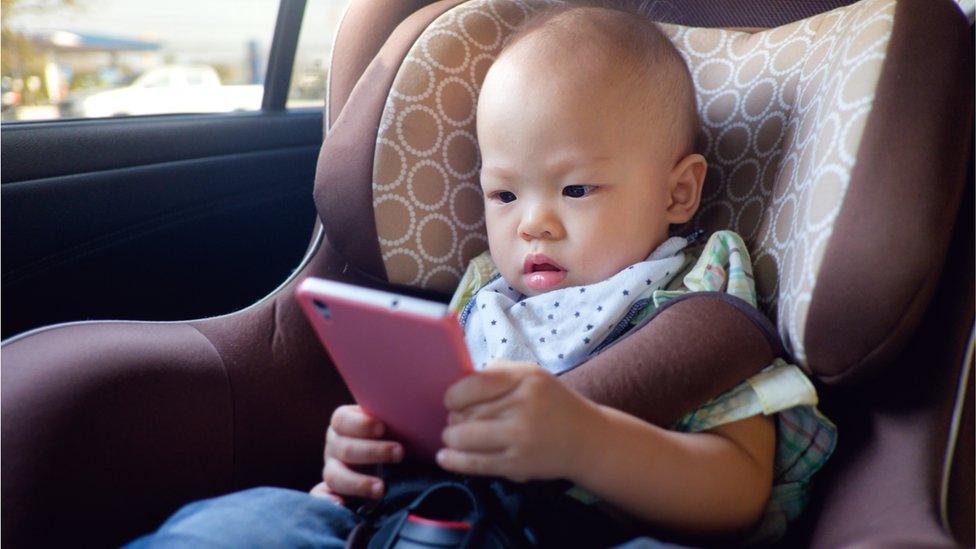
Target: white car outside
[{"x": 173, "y": 89}]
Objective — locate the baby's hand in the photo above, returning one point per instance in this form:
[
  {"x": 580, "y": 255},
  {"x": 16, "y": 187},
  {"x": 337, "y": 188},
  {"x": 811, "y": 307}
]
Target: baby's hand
[
  {"x": 516, "y": 420},
  {"x": 353, "y": 439}
]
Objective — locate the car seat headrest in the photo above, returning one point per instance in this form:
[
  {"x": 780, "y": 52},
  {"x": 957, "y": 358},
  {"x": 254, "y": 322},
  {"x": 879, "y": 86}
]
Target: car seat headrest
[{"x": 799, "y": 123}]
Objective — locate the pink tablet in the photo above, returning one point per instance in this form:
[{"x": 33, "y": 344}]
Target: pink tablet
[{"x": 397, "y": 354}]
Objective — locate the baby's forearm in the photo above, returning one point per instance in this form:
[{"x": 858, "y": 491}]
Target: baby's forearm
[{"x": 712, "y": 482}]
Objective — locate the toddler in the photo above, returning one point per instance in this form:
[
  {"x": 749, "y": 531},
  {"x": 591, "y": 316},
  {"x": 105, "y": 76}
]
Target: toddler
[{"x": 586, "y": 124}]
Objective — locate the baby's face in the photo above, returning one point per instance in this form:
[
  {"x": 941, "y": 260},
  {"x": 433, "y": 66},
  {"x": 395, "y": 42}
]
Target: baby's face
[{"x": 575, "y": 187}]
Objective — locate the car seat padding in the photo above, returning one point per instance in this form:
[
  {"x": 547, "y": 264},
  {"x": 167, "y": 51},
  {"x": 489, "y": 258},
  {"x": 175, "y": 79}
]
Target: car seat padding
[
  {"x": 784, "y": 115},
  {"x": 85, "y": 390},
  {"x": 343, "y": 176},
  {"x": 896, "y": 221},
  {"x": 663, "y": 370},
  {"x": 364, "y": 28}
]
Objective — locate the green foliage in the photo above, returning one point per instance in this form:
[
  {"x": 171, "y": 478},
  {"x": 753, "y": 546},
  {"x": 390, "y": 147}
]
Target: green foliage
[{"x": 19, "y": 59}]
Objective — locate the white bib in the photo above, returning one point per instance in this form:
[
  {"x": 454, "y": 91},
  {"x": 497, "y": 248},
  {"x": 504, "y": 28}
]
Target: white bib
[{"x": 560, "y": 328}]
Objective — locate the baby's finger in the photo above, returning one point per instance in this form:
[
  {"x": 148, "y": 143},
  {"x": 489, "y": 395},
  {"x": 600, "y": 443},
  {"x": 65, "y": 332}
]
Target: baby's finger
[
  {"x": 483, "y": 386},
  {"x": 476, "y": 436},
  {"x": 321, "y": 490},
  {"x": 486, "y": 410},
  {"x": 343, "y": 480},
  {"x": 360, "y": 451},
  {"x": 503, "y": 363},
  {"x": 352, "y": 421},
  {"x": 470, "y": 463}
]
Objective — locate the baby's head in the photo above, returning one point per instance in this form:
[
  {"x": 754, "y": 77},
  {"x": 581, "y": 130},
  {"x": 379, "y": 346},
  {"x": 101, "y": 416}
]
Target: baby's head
[{"x": 587, "y": 125}]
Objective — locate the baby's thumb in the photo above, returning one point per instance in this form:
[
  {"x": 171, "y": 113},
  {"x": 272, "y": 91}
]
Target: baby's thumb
[
  {"x": 505, "y": 364},
  {"x": 321, "y": 490}
]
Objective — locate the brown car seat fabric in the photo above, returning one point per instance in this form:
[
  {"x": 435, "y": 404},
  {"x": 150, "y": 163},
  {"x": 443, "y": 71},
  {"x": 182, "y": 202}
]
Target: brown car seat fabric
[
  {"x": 364, "y": 28},
  {"x": 738, "y": 13},
  {"x": 366, "y": 25},
  {"x": 799, "y": 123},
  {"x": 109, "y": 426},
  {"x": 345, "y": 167},
  {"x": 959, "y": 473},
  {"x": 275, "y": 392},
  {"x": 895, "y": 225},
  {"x": 890, "y": 482},
  {"x": 662, "y": 370},
  {"x": 105, "y": 425},
  {"x": 855, "y": 95}
]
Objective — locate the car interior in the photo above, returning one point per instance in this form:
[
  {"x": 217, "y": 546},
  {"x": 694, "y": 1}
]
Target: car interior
[{"x": 154, "y": 352}]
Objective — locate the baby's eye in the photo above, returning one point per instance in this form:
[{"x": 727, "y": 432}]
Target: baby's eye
[
  {"x": 577, "y": 191},
  {"x": 505, "y": 196}
]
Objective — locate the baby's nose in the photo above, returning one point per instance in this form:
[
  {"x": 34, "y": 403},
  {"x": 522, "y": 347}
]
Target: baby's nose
[{"x": 540, "y": 225}]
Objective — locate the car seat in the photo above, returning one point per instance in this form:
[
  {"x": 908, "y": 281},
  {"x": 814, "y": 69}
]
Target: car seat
[{"x": 837, "y": 146}]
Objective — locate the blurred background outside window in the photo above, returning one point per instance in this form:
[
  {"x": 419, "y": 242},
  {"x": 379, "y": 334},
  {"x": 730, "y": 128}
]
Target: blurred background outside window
[
  {"x": 99, "y": 58},
  {"x": 319, "y": 27}
]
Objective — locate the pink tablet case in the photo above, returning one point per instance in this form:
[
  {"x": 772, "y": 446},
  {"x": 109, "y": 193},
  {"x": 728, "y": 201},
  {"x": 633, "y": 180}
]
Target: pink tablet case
[{"x": 396, "y": 363}]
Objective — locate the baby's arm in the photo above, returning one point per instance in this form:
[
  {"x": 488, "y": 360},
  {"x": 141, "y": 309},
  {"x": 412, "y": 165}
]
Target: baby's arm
[
  {"x": 710, "y": 482},
  {"x": 518, "y": 421}
]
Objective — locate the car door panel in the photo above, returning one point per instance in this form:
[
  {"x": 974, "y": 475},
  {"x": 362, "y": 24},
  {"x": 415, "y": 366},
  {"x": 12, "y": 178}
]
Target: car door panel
[{"x": 171, "y": 218}]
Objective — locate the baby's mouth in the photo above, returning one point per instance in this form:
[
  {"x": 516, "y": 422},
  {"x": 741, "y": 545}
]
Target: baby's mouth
[{"x": 542, "y": 273}]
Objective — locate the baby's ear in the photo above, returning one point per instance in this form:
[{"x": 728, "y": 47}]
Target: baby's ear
[{"x": 685, "y": 186}]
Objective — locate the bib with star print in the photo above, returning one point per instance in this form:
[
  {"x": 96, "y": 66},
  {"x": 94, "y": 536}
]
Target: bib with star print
[{"x": 560, "y": 328}]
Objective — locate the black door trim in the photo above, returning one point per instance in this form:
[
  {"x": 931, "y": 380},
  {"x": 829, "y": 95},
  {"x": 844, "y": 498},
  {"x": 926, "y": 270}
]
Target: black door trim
[
  {"x": 52, "y": 149},
  {"x": 281, "y": 60}
]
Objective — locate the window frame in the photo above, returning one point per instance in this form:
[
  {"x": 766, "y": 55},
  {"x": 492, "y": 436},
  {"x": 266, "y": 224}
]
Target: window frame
[
  {"x": 277, "y": 82},
  {"x": 281, "y": 59}
]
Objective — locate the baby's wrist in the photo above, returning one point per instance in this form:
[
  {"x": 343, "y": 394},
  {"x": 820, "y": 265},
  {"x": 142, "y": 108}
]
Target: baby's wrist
[{"x": 592, "y": 445}]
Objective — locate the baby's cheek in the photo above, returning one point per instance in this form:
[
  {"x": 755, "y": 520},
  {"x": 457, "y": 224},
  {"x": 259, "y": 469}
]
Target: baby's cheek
[
  {"x": 514, "y": 280},
  {"x": 591, "y": 262},
  {"x": 603, "y": 264}
]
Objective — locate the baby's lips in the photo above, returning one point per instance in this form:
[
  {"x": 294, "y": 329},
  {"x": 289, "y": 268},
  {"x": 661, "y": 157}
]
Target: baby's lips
[
  {"x": 544, "y": 280},
  {"x": 539, "y": 259}
]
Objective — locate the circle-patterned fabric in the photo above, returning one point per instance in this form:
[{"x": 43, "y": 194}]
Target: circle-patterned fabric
[{"x": 782, "y": 111}]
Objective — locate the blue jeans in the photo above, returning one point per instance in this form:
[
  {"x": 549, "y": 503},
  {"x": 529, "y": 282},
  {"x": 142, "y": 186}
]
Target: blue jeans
[
  {"x": 259, "y": 517},
  {"x": 278, "y": 517}
]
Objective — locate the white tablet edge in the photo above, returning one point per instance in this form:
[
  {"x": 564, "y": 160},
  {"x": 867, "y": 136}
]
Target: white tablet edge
[{"x": 377, "y": 298}]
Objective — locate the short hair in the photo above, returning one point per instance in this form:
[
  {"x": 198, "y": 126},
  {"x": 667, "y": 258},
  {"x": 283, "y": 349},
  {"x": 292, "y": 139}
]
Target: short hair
[{"x": 627, "y": 41}]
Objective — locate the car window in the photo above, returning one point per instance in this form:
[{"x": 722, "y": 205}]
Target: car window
[
  {"x": 98, "y": 58},
  {"x": 315, "y": 41}
]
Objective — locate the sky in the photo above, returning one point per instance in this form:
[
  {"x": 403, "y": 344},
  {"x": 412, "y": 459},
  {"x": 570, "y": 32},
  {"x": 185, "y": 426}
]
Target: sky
[{"x": 191, "y": 29}]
